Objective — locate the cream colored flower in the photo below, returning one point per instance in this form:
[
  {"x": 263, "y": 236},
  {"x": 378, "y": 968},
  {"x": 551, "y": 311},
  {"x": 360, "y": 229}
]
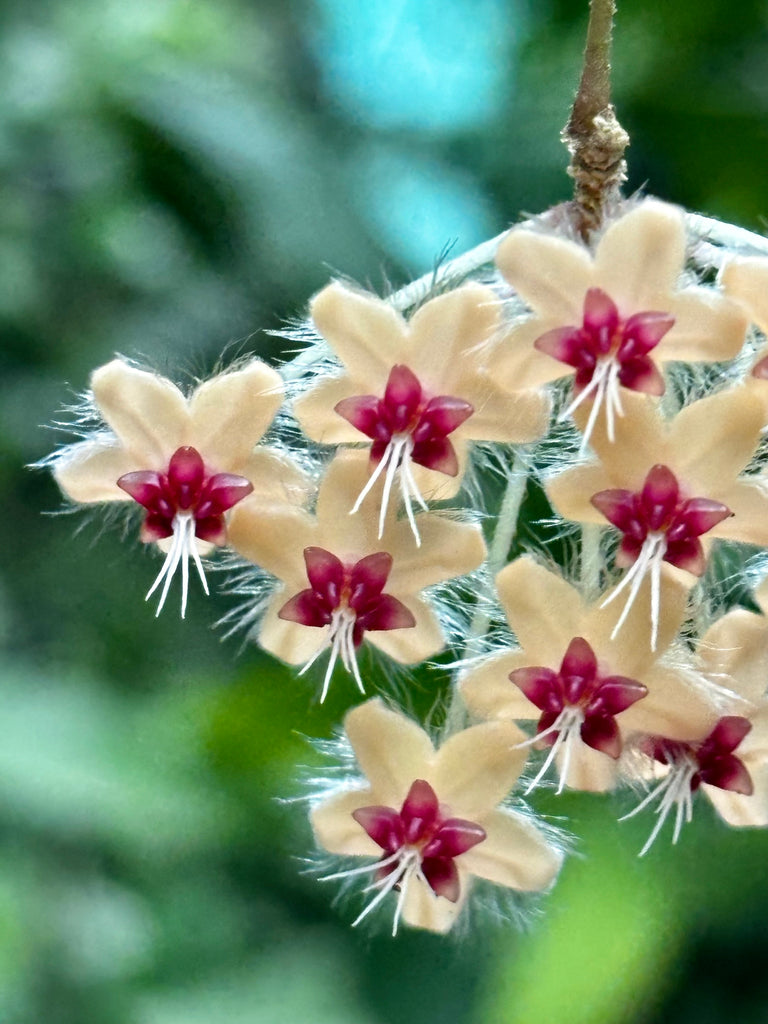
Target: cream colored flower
[
  {"x": 342, "y": 583},
  {"x": 615, "y": 315},
  {"x": 672, "y": 487},
  {"x": 432, "y": 817},
  {"x": 416, "y": 388},
  {"x": 726, "y": 758},
  {"x": 187, "y": 460},
  {"x": 588, "y": 689}
]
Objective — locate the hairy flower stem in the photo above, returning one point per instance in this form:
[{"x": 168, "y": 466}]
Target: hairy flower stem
[
  {"x": 498, "y": 550},
  {"x": 593, "y": 136}
]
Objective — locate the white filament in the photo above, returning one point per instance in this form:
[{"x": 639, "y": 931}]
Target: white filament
[
  {"x": 408, "y": 861},
  {"x": 607, "y": 390},
  {"x": 567, "y": 725},
  {"x": 648, "y": 563},
  {"x": 396, "y": 457},
  {"x": 183, "y": 547},
  {"x": 340, "y": 639},
  {"x": 674, "y": 791}
]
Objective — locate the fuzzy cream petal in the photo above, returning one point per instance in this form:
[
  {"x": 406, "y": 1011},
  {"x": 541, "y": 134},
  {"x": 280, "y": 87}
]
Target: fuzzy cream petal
[
  {"x": 337, "y": 831},
  {"x": 410, "y": 644},
  {"x": 746, "y": 281},
  {"x": 476, "y": 768},
  {"x": 739, "y": 810},
  {"x": 317, "y": 418},
  {"x": 551, "y": 274},
  {"x": 89, "y": 472},
  {"x": 515, "y": 418},
  {"x": 446, "y": 331},
  {"x": 589, "y": 771},
  {"x": 147, "y": 412},
  {"x": 231, "y": 412},
  {"x": 367, "y": 334},
  {"x": 276, "y": 479},
  {"x": 488, "y": 691},
  {"x": 514, "y": 364},
  {"x": 734, "y": 653},
  {"x": 749, "y": 503},
  {"x": 707, "y": 328},
  {"x": 273, "y": 539},
  {"x": 674, "y": 707},
  {"x": 570, "y": 493},
  {"x": 447, "y": 550},
  {"x": 642, "y": 441},
  {"x": 422, "y": 908},
  {"x": 715, "y": 438},
  {"x": 641, "y": 255},
  {"x": 514, "y": 854},
  {"x": 391, "y": 750},
  {"x": 292, "y": 642},
  {"x": 541, "y": 608}
]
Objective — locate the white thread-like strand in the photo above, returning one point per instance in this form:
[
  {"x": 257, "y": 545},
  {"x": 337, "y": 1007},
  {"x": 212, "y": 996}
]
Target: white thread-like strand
[
  {"x": 183, "y": 547},
  {"x": 674, "y": 790},
  {"x": 396, "y": 459},
  {"x": 340, "y": 639},
  {"x": 648, "y": 561}
]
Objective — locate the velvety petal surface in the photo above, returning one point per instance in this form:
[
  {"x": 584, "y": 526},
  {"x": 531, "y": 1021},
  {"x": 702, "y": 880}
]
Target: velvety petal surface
[
  {"x": 746, "y": 281},
  {"x": 514, "y": 854},
  {"x": 367, "y": 334},
  {"x": 147, "y": 412},
  {"x": 641, "y": 255},
  {"x": 232, "y": 411},
  {"x": 708, "y": 327},
  {"x": 476, "y": 768},
  {"x": 390, "y": 748},
  {"x": 337, "y": 831},
  {"x": 446, "y": 331},
  {"x": 423, "y": 909},
  {"x": 551, "y": 274},
  {"x": 89, "y": 472}
]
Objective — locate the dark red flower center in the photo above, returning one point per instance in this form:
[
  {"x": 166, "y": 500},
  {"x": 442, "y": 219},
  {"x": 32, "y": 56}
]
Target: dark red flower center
[
  {"x": 606, "y": 339},
  {"x": 408, "y": 416},
  {"x": 578, "y": 699},
  {"x": 420, "y": 838},
  {"x": 348, "y": 597},
  {"x": 712, "y": 760},
  {"x": 186, "y": 489},
  {"x": 660, "y": 515}
]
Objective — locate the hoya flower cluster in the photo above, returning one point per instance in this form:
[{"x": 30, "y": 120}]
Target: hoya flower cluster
[{"x": 602, "y": 372}]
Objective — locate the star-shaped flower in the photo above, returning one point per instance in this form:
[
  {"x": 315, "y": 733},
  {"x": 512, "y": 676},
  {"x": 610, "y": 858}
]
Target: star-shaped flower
[
  {"x": 341, "y": 583},
  {"x": 186, "y": 460},
  {"x": 419, "y": 390},
  {"x": 431, "y": 818},
  {"x": 727, "y": 759},
  {"x": 586, "y": 689},
  {"x": 613, "y": 316},
  {"x": 671, "y": 486}
]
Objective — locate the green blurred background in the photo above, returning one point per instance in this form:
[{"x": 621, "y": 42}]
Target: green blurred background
[{"x": 179, "y": 176}]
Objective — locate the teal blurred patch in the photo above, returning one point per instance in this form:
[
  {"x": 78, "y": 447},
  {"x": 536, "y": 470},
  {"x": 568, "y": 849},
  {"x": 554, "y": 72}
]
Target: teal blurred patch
[{"x": 418, "y": 63}]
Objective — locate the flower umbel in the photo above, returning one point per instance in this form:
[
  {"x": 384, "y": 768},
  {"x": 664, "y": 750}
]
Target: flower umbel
[{"x": 430, "y": 818}]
